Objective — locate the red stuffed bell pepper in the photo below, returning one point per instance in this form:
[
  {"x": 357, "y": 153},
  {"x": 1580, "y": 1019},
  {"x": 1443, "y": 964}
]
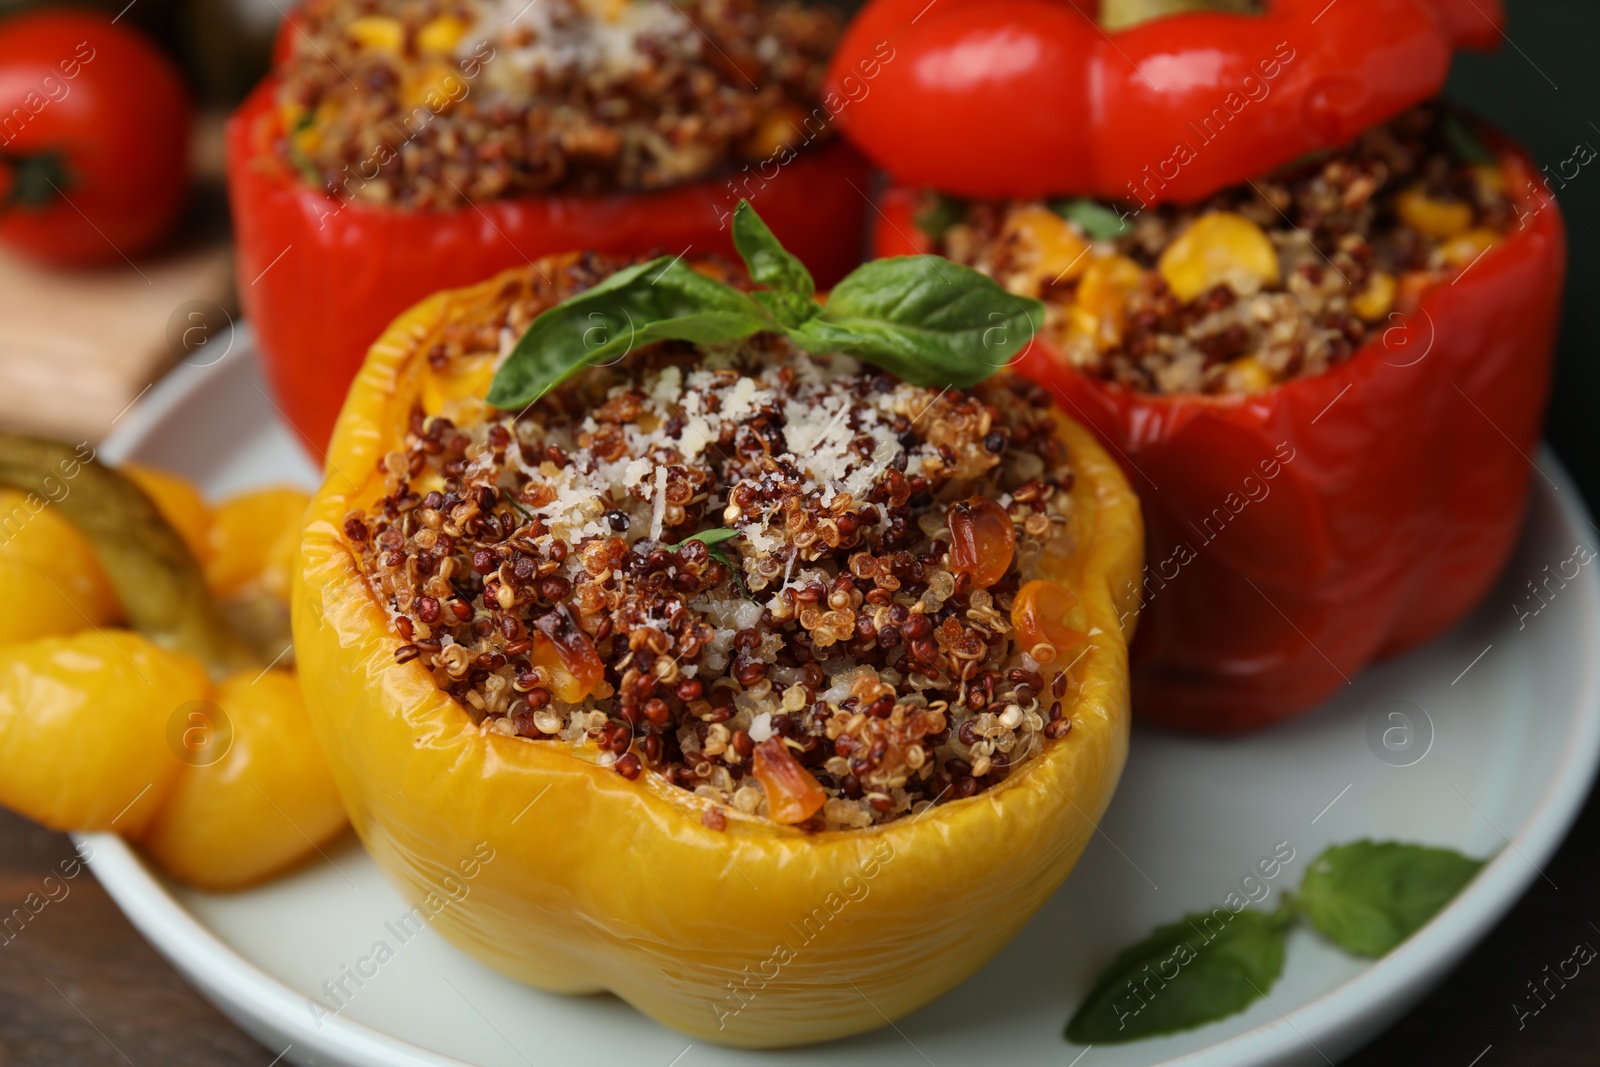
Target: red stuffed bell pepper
[
  {"x": 392, "y": 154},
  {"x": 1326, "y": 382}
]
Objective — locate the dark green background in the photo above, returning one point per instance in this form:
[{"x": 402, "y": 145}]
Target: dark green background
[{"x": 1543, "y": 85}]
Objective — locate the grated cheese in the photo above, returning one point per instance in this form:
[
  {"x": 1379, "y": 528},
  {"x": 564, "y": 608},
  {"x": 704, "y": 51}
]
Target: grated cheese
[{"x": 660, "y": 509}]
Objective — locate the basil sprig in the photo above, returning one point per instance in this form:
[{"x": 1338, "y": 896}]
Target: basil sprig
[
  {"x": 1219, "y": 964},
  {"x": 941, "y": 213},
  {"x": 1366, "y": 897},
  {"x": 713, "y": 540},
  {"x": 1369, "y": 896},
  {"x": 1100, "y": 222},
  {"x": 925, "y": 319}
]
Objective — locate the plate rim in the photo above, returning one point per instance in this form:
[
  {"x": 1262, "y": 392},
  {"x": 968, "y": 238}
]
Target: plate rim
[{"x": 259, "y": 1003}]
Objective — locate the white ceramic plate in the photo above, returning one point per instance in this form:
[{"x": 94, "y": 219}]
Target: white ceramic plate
[{"x": 1507, "y": 714}]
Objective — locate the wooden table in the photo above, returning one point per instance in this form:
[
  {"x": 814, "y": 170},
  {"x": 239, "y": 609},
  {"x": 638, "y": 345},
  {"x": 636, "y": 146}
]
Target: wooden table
[{"x": 80, "y": 988}]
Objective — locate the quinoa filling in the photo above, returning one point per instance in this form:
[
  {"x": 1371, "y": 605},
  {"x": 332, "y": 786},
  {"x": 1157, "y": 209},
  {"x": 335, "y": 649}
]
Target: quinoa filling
[
  {"x": 793, "y": 585},
  {"x": 1277, "y": 279},
  {"x": 438, "y": 103}
]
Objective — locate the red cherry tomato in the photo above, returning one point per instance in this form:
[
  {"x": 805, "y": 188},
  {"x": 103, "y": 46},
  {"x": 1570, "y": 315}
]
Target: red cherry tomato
[{"x": 94, "y": 136}]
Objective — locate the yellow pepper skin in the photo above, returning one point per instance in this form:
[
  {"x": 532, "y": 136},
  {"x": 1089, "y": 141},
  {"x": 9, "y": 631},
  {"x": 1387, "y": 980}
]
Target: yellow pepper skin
[
  {"x": 50, "y": 580},
  {"x": 578, "y": 880},
  {"x": 258, "y": 809},
  {"x": 83, "y": 728}
]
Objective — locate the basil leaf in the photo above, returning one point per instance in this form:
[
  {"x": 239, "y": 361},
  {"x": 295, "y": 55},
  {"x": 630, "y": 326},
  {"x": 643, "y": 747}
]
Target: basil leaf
[
  {"x": 769, "y": 263},
  {"x": 928, "y": 320},
  {"x": 1464, "y": 141},
  {"x": 925, "y": 319},
  {"x": 791, "y": 309},
  {"x": 707, "y": 538},
  {"x": 655, "y": 301},
  {"x": 942, "y": 212},
  {"x": 1098, "y": 221},
  {"x": 713, "y": 540},
  {"x": 1367, "y": 897},
  {"x": 1205, "y": 967}
]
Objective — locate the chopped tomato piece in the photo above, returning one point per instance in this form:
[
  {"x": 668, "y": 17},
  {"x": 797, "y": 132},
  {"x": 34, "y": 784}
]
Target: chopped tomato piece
[
  {"x": 567, "y": 657},
  {"x": 982, "y": 540},
  {"x": 793, "y": 795},
  {"x": 1046, "y": 615}
]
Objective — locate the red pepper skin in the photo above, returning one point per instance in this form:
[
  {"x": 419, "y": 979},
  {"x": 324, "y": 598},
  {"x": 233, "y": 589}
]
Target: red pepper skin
[
  {"x": 1294, "y": 535},
  {"x": 1073, "y": 110},
  {"x": 346, "y": 271}
]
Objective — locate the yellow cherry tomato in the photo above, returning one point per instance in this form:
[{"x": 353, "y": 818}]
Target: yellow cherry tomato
[
  {"x": 83, "y": 728},
  {"x": 50, "y": 581},
  {"x": 256, "y": 796},
  {"x": 179, "y": 502},
  {"x": 253, "y": 541}
]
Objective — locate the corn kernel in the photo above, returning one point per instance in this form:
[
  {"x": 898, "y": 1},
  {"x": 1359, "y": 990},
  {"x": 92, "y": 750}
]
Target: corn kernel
[
  {"x": 377, "y": 33},
  {"x": 1247, "y": 375},
  {"x": 1464, "y": 249},
  {"x": 1083, "y": 323},
  {"x": 441, "y": 35},
  {"x": 435, "y": 86},
  {"x": 1377, "y": 298},
  {"x": 1436, "y": 218},
  {"x": 1100, "y": 305},
  {"x": 1219, "y": 247},
  {"x": 1491, "y": 179},
  {"x": 606, "y": 10},
  {"x": 1051, "y": 248},
  {"x": 776, "y": 130}
]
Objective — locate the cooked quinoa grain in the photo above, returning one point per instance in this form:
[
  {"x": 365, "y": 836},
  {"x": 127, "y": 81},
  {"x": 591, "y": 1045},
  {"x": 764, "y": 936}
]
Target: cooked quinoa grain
[
  {"x": 793, "y": 585},
  {"x": 1276, "y": 279},
  {"x": 434, "y": 103}
]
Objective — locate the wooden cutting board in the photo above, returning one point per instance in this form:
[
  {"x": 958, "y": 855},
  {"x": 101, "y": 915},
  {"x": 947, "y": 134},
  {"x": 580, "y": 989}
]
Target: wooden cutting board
[{"x": 77, "y": 348}]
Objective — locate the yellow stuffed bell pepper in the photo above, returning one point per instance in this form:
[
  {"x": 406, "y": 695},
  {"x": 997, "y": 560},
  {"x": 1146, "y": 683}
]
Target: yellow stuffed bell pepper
[
  {"x": 106, "y": 728},
  {"x": 652, "y": 686}
]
